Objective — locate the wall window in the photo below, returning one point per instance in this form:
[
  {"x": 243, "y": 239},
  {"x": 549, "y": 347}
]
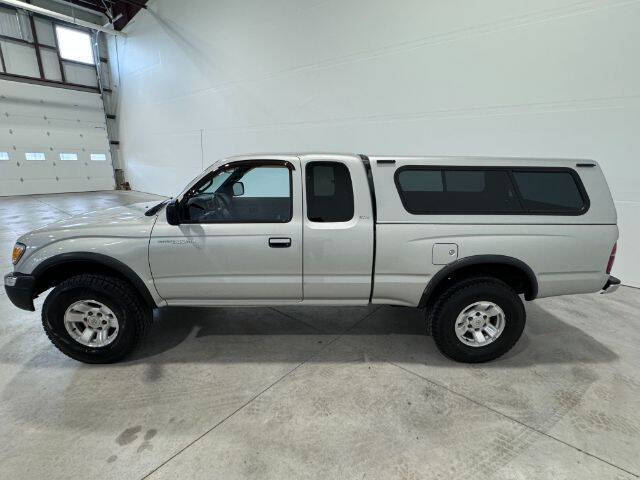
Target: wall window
[
  {"x": 4, "y": 155},
  {"x": 98, "y": 157},
  {"x": 74, "y": 44},
  {"x": 329, "y": 192},
  {"x": 68, "y": 156},
  {"x": 35, "y": 156},
  {"x": 241, "y": 194},
  {"x": 433, "y": 190},
  {"x": 34, "y": 46},
  {"x": 549, "y": 192}
]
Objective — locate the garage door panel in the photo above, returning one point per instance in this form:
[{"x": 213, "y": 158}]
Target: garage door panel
[
  {"x": 36, "y": 169},
  {"x": 50, "y": 122},
  {"x": 29, "y": 186},
  {"x": 9, "y": 169},
  {"x": 45, "y": 138},
  {"x": 100, "y": 169},
  {"x": 38, "y": 112}
]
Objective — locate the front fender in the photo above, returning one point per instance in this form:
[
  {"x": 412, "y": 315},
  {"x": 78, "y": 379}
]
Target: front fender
[{"x": 129, "y": 256}]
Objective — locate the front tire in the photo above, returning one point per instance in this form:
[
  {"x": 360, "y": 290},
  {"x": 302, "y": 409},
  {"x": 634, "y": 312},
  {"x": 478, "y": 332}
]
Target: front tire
[
  {"x": 95, "y": 318},
  {"x": 477, "y": 320}
]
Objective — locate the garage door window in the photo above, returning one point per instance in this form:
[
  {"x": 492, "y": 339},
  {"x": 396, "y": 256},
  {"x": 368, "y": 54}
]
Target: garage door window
[
  {"x": 68, "y": 156},
  {"x": 35, "y": 156},
  {"x": 4, "y": 155},
  {"x": 329, "y": 192},
  {"x": 98, "y": 157}
]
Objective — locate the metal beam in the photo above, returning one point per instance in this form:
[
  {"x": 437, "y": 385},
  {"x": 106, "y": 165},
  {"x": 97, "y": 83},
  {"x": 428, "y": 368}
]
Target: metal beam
[
  {"x": 88, "y": 9},
  {"x": 62, "y": 17},
  {"x": 51, "y": 83}
]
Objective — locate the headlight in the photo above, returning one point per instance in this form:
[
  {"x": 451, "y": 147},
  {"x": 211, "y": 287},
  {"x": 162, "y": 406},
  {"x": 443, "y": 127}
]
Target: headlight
[{"x": 18, "y": 250}]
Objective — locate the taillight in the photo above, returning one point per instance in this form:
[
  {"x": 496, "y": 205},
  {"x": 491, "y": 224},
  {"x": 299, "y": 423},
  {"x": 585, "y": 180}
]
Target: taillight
[{"x": 612, "y": 257}]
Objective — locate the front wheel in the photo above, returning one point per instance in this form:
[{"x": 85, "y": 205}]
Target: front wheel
[
  {"x": 94, "y": 318},
  {"x": 477, "y": 320}
]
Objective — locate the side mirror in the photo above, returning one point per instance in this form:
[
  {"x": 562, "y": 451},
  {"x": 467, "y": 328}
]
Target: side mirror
[
  {"x": 173, "y": 216},
  {"x": 238, "y": 189}
]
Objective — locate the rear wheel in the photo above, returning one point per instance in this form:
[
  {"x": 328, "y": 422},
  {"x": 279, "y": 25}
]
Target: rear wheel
[
  {"x": 95, "y": 318},
  {"x": 477, "y": 320}
]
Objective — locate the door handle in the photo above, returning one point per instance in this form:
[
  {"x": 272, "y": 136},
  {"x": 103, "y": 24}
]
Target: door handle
[{"x": 279, "y": 242}]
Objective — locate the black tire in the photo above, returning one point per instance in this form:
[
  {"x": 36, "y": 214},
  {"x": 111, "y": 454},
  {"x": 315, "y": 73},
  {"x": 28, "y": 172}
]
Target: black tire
[
  {"x": 429, "y": 319},
  {"x": 447, "y": 308},
  {"x": 132, "y": 314}
]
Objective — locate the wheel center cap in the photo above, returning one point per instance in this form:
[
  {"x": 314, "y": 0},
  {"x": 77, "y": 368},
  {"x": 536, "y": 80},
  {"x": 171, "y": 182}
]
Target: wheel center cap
[{"x": 478, "y": 322}]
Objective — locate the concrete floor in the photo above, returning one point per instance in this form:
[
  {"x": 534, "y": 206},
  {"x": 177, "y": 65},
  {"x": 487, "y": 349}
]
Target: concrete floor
[{"x": 318, "y": 392}]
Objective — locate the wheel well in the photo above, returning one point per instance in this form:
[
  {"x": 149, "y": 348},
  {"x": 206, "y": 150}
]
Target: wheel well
[
  {"x": 517, "y": 277},
  {"x": 58, "y": 272}
]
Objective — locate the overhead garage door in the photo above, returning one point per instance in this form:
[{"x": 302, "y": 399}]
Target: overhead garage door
[{"x": 52, "y": 140}]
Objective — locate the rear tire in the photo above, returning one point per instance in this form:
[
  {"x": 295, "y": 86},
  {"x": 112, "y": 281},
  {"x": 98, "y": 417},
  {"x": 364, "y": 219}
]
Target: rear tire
[
  {"x": 457, "y": 324},
  {"x": 95, "y": 318}
]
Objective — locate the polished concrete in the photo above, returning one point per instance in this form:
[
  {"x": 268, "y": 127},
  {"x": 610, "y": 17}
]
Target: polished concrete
[{"x": 323, "y": 393}]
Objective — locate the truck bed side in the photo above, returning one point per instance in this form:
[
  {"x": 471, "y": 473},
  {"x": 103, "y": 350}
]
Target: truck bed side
[{"x": 568, "y": 254}]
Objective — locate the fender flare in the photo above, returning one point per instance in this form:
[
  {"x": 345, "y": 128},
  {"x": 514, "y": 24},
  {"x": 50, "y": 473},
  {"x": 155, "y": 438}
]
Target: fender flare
[
  {"x": 448, "y": 270},
  {"x": 99, "y": 259}
]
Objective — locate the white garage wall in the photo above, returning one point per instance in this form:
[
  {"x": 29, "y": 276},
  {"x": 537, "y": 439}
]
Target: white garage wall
[
  {"x": 493, "y": 77},
  {"x": 51, "y": 121}
]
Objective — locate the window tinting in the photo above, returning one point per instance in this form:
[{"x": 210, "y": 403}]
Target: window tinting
[
  {"x": 243, "y": 194},
  {"x": 549, "y": 192},
  {"x": 464, "y": 180},
  {"x": 329, "y": 192},
  {"x": 421, "y": 180},
  {"x": 457, "y": 191}
]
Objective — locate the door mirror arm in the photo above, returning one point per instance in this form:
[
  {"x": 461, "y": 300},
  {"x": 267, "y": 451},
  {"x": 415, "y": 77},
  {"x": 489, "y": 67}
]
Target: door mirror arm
[{"x": 173, "y": 212}]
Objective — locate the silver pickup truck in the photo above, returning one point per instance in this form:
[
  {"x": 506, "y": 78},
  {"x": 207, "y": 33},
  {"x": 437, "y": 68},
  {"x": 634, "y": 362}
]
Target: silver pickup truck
[{"x": 463, "y": 238}]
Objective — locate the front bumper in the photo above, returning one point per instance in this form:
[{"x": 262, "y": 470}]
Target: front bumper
[
  {"x": 20, "y": 288},
  {"x": 612, "y": 285}
]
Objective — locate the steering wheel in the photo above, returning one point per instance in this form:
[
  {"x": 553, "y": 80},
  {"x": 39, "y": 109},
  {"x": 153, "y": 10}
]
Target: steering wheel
[{"x": 222, "y": 205}]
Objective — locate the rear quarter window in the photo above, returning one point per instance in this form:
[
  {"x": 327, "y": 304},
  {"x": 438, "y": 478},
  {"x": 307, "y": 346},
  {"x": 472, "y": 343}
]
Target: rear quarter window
[
  {"x": 553, "y": 192},
  {"x": 428, "y": 191},
  {"x": 508, "y": 190}
]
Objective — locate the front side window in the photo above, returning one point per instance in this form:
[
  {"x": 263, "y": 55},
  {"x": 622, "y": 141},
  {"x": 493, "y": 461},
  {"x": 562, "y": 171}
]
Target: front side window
[
  {"x": 241, "y": 194},
  {"x": 329, "y": 192},
  {"x": 435, "y": 191}
]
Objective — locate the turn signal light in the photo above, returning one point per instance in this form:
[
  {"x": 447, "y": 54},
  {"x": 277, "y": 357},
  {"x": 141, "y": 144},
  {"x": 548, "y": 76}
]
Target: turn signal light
[
  {"x": 612, "y": 257},
  {"x": 18, "y": 250}
]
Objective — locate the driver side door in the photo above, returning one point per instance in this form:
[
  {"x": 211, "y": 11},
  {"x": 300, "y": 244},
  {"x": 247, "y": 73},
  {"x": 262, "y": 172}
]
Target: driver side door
[{"x": 239, "y": 239}]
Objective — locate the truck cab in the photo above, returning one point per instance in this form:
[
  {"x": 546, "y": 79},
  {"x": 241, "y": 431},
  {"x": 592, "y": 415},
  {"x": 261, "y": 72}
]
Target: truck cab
[{"x": 274, "y": 230}]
